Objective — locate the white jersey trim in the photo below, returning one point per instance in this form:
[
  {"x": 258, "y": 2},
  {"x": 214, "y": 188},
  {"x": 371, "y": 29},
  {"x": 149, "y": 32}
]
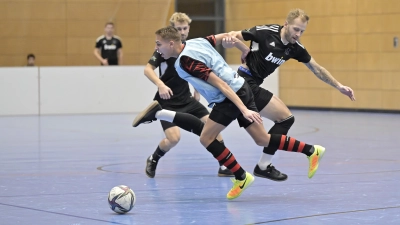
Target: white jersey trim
[
  {"x": 300, "y": 44},
  {"x": 274, "y": 28},
  {"x": 99, "y": 38}
]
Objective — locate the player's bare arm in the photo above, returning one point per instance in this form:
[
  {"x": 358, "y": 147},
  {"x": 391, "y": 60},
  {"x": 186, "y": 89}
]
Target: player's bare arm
[
  {"x": 98, "y": 56},
  {"x": 229, "y": 41},
  {"x": 231, "y": 95},
  {"x": 237, "y": 34},
  {"x": 324, "y": 75},
  {"x": 120, "y": 56},
  {"x": 164, "y": 91}
]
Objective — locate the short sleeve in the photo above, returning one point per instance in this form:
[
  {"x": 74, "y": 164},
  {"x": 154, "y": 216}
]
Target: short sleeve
[
  {"x": 156, "y": 59},
  {"x": 195, "y": 68}
]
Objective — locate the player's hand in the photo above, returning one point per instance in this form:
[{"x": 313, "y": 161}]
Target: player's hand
[
  {"x": 252, "y": 116},
  {"x": 348, "y": 92},
  {"x": 196, "y": 95},
  {"x": 228, "y": 42},
  {"x": 165, "y": 92},
  {"x": 104, "y": 62},
  {"x": 244, "y": 55}
]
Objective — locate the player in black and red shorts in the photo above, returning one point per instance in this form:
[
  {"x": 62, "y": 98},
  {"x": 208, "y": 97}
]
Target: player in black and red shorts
[{"x": 272, "y": 45}]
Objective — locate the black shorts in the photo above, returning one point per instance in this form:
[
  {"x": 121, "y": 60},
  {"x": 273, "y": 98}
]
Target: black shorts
[
  {"x": 193, "y": 107},
  {"x": 261, "y": 96},
  {"x": 225, "y": 112}
]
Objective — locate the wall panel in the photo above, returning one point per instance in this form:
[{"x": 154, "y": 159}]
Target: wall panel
[
  {"x": 69, "y": 29},
  {"x": 353, "y": 39}
]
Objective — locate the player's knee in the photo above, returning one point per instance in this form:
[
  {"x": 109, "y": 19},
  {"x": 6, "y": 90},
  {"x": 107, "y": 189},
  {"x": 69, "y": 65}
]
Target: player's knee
[
  {"x": 173, "y": 140},
  {"x": 261, "y": 141},
  {"x": 205, "y": 140},
  {"x": 287, "y": 122}
]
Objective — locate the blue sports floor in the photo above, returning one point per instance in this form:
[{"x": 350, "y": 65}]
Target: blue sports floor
[{"x": 59, "y": 170}]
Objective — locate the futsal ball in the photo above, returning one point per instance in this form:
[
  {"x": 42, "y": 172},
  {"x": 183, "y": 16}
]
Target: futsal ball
[{"x": 121, "y": 199}]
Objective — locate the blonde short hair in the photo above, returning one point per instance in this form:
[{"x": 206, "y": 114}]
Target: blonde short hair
[
  {"x": 179, "y": 17},
  {"x": 296, "y": 13},
  {"x": 169, "y": 33}
]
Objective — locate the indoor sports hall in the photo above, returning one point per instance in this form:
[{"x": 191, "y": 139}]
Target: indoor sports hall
[{"x": 66, "y": 135}]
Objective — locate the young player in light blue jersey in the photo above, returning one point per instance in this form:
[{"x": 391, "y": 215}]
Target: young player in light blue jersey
[{"x": 230, "y": 97}]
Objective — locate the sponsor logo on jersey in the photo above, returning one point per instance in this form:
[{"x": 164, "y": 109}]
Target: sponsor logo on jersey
[
  {"x": 273, "y": 59},
  {"x": 110, "y": 47},
  {"x": 272, "y": 43}
]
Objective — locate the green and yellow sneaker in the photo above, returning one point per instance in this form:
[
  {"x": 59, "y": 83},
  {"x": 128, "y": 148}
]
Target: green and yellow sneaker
[
  {"x": 239, "y": 186},
  {"x": 314, "y": 159}
]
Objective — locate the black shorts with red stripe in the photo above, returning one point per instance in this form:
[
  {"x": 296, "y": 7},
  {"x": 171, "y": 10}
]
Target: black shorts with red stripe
[{"x": 225, "y": 112}]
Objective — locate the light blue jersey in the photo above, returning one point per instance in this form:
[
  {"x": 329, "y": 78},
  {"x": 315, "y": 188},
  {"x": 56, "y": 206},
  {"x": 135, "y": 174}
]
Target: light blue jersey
[{"x": 200, "y": 49}]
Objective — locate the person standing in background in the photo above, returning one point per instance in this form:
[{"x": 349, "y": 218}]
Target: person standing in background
[
  {"x": 108, "y": 49},
  {"x": 30, "y": 60}
]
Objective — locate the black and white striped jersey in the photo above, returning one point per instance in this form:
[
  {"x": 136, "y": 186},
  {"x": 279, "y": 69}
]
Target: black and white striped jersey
[{"x": 268, "y": 52}]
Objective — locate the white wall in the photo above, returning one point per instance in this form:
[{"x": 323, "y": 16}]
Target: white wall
[
  {"x": 81, "y": 90},
  {"x": 19, "y": 91},
  {"x": 73, "y": 90}
]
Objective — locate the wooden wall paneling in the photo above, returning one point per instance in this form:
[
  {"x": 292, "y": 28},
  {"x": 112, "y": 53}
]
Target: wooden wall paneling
[
  {"x": 146, "y": 45},
  {"x": 33, "y": 10},
  {"x": 35, "y": 45},
  {"x": 51, "y": 59},
  {"x": 386, "y": 42},
  {"x": 325, "y": 43},
  {"x": 369, "y": 42},
  {"x": 131, "y": 45},
  {"x": 338, "y": 7},
  {"x": 37, "y": 28},
  {"x": 147, "y": 28},
  {"x": 369, "y": 80},
  {"x": 343, "y": 62},
  {"x": 247, "y": 10},
  {"x": 347, "y": 78},
  {"x": 89, "y": 11},
  {"x": 390, "y": 61},
  {"x": 390, "y": 100},
  {"x": 158, "y": 11},
  {"x": 378, "y": 7},
  {"x": 368, "y": 62},
  {"x": 13, "y": 60},
  {"x": 391, "y": 81},
  {"x": 332, "y": 25},
  {"x": 301, "y": 80},
  {"x": 233, "y": 57},
  {"x": 78, "y": 45},
  {"x": 125, "y": 29},
  {"x": 85, "y": 28},
  {"x": 144, "y": 58},
  {"x": 129, "y": 11},
  {"x": 87, "y": 59},
  {"x": 368, "y": 99},
  {"x": 48, "y": 45},
  {"x": 378, "y": 23},
  {"x": 306, "y": 97},
  {"x": 99, "y": 1},
  {"x": 132, "y": 59}
]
